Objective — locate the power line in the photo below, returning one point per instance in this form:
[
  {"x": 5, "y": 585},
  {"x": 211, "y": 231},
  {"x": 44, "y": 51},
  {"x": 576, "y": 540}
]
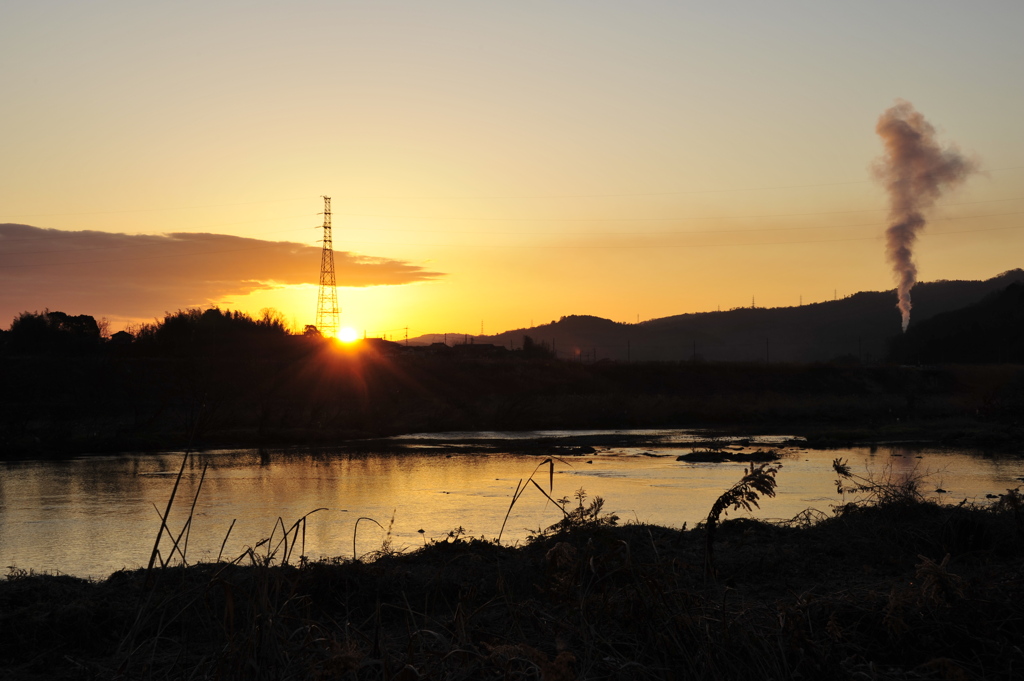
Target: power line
[
  {"x": 649, "y": 219},
  {"x": 688, "y": 231},
  {"x": 211, "y": 237},
  {"x": 639, "y": 194},
  {"x": 267, "y": 244},
  {"x": 70, "y": 233},
  {"x": 663, "y": 245},
  {"x": 157, "y": 210}
]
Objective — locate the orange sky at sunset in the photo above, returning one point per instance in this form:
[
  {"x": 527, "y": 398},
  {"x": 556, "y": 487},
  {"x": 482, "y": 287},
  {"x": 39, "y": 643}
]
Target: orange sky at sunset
[{"x": 494, "y": 163}]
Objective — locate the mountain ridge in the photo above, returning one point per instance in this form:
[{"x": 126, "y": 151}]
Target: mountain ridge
[{"x": 857, "y": 328}]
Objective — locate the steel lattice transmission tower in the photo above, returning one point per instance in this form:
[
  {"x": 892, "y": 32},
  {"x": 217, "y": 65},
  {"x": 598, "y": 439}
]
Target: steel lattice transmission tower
[{"x": 327, "y": 302}]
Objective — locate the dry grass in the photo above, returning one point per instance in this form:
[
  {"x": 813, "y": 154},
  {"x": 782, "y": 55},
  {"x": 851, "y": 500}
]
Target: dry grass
[
  {"x": 890, "y": 588},
  {"x": 757, "y": 480}
]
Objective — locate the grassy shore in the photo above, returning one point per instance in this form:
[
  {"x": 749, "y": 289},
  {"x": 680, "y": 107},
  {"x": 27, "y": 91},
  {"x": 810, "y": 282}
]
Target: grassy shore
[{"x": 890, "y": 588}]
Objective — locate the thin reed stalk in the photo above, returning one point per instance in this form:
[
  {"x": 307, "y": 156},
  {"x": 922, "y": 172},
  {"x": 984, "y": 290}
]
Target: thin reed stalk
[
  {"x": 356, "y": 529},
  {"x": 300, "y": 523},
  {"x": 224, "y": 543},
  {"x": 182, "y": 549},
  {"x": 163, "y": 519},
  {"x": 521, "y": 488}
]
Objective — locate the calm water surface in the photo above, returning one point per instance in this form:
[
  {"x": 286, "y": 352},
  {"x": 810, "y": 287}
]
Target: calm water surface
[{"x": 94, "y": 515}]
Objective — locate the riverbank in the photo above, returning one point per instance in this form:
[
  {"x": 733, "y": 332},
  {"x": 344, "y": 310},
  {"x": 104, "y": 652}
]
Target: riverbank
[
  {"x": 896, "y": 589},
  {"x": 65, "y": 406},
  {"x": 984, "y": 437}
]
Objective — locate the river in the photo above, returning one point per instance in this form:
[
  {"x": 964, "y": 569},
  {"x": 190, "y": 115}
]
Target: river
[{"x": 90, "y": 516}]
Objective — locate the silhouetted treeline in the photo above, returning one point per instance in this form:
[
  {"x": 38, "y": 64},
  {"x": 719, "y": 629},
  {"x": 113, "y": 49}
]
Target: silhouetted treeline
[
  {"x": 213, "y": 332},
  {"x": 192, "y": 330},
  {"x": 316, "y": 392},
  {"x": 51, "y": 332},
  {"x": 531, "y": 349},
  {"x": 221, "y": 378}
]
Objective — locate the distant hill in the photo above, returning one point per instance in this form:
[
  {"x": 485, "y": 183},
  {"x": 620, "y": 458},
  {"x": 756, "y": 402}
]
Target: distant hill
[
  {"x": 859, "y": 327},
  {"x": 990, "y": 331}
]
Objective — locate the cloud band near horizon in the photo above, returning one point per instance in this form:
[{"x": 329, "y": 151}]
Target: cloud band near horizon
[{"x": 139, "y": 275}]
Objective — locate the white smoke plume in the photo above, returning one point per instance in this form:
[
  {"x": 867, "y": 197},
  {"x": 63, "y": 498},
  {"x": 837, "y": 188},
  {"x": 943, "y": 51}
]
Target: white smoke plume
[{"x": 916, "y": 171}]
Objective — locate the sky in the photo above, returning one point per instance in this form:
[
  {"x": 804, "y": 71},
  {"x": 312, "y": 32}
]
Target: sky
[{"x": 491, "y": 166}]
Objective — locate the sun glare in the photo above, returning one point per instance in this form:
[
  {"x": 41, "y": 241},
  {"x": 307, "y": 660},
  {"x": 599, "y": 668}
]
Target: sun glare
[{"x": 347, "y": 334}]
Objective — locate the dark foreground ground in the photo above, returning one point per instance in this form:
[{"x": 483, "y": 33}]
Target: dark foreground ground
[{"x": 892, "y": 589}]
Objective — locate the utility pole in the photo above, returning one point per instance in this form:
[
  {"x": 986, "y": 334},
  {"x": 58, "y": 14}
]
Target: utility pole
[
  {"x": 327, "y": 301},
  {"x": 407, "y": 336}
]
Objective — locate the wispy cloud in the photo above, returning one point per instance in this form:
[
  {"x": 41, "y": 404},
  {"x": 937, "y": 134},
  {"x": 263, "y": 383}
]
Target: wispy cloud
[{"x": 142, "y": 275}]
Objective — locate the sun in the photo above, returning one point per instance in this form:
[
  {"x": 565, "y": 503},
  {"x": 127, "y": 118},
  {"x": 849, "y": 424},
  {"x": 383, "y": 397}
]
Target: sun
[{"x": 347, "y": 334}]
